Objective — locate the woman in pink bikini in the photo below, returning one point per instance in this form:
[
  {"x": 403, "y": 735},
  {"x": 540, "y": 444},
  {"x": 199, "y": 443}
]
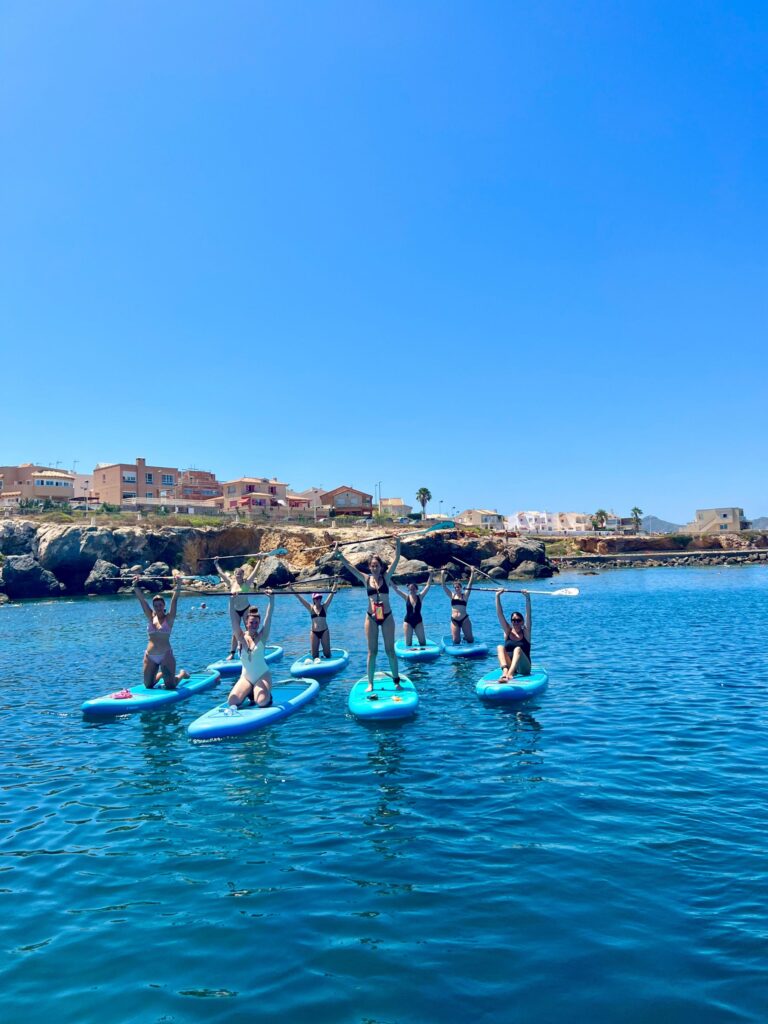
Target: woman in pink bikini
[{"x": 158, "y": 657}]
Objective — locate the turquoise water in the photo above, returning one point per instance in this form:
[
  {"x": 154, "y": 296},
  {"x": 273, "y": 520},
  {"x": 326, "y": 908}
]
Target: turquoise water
[{"x": 600, "y": 852}]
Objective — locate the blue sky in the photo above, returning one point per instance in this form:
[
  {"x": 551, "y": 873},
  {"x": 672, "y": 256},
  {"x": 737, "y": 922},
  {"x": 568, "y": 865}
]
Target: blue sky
[{"x": 512, "y": 252}]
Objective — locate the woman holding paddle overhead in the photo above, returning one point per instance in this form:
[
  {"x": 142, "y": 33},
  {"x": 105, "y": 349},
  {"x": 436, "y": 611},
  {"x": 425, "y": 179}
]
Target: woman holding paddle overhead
[
  {"x": 379, "y": 614},
  {"x": 159, "y": 659},
  {"x": 255, "y": 682},
  {"x": 318, "y": 630},
  {"x": 515, "y": 652},
  {"x": 243, "y": 584},
  {"x": 460, "y": 620},
  {"x": 413, "y": 622}
]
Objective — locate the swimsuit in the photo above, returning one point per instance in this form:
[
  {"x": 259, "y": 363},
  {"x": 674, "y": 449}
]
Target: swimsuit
[
  {"x": 374, "y": 592},
  {"x": 318, "y": 615},
  {"x": 254, "y": 664},
  {"x": 513, "y": 642},
  {"x": 163, "y": 627},
  {"x": 413, "y": 612},
  {"x": 455, "y": 602}
]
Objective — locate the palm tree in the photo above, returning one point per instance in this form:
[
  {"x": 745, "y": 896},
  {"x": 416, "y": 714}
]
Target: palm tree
[
  {"x": 637, "y": 515},
  {"x": 599, "y": 519},
  {"x": 423, "y": 495}
]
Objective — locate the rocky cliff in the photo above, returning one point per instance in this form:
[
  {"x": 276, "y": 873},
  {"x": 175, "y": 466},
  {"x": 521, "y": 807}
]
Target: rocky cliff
[{"x": 40, "y": 560}]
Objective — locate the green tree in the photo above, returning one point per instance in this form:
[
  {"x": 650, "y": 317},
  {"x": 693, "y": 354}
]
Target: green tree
[
  {"x": 599, "y": 519},
  {"x": 423, "y": 496},
  {"x": 637, "y": 515}
]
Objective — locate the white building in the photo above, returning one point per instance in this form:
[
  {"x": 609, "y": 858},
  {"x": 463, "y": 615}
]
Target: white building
[
  {"x": 312, "y": 494},
  {"x": 549, "y": 522}
]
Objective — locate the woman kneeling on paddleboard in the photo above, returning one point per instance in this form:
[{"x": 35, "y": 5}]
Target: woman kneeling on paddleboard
[
  {"x": 159, "y": 659},
  {"x": 255, "y": 680},
  {"x": 318, "y": 630},
  {"x": 460, "y": 621},
  {"x": 413, "y": 622},
  {"x": 379, "y": 614},
  {"x": 515, "y": 652}
]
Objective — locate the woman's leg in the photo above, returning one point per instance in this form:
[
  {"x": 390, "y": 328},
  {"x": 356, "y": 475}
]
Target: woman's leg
[
  {"x": 232, "y": 648},
  {"x": 521, "y": 665},
  {"x": 467, "y": 627},
  {"x": 388, "y": 636},
  {"x": 503, "y": 661},
  {"x": 262, "y": 690},
  {"x": 408, "y": 633},
  {"x": 314, "y": 643},
  {"x": 150, "y": 672},
  {"x": 372, "y": 636},
  {"x": 420, "y": 635},
  {"x": 455, "y": 632},
  {"x": 326, "y": 642},
  {"x": 239, "y": 692}
]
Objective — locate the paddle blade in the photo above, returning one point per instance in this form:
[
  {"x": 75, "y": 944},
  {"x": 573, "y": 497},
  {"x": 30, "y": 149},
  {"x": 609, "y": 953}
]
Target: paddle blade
[
  {"x": 274, "y": 551},
  {"x": 448, "y": 524}
]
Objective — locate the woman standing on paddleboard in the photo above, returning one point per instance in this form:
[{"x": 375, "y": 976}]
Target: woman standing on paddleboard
[
  {"x": 379, "y": 614},
  {"x": 515, "y": 652},
  {"x": 460, "y": 620},
  {"x": 318, "y": 630},
  {"x": 255, "y": 682},
  {"x": 243, "y": 584},
  {"x": 413, "y": 622},
  {"x": 159, "y": 658}
]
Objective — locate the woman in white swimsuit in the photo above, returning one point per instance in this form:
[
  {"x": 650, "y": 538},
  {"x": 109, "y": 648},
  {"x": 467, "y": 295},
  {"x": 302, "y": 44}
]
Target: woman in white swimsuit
[
  {"x": 159, "y": 658},
  {"x": 255, "y": 681}
]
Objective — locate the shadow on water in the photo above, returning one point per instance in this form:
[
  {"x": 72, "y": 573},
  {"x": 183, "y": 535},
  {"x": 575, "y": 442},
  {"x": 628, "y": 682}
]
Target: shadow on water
[{"x": 385, "y": 762}]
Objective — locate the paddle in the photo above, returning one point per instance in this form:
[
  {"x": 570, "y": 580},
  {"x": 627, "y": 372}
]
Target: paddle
[
  {"x": 447, "y": 524},
  {"x": 257, "y": 554},
  {"x": 562, "y": 592}
]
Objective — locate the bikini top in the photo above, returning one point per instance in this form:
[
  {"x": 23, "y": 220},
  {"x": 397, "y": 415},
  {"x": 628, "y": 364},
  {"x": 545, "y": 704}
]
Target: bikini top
[
  {"x": 456, "y": 601},
  {"x": 375, "y": 591},
  {"x": 164, "y": 627},
  {"x": 317, "y": 615}
]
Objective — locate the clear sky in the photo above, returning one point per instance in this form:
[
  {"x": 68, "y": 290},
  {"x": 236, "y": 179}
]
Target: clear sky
[{"x": 514, "y": 252}]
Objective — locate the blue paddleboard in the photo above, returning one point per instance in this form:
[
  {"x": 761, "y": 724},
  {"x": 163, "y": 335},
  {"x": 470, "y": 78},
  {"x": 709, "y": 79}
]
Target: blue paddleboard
[
  {"x": 464, "y": 650},
  {"x": 321, "y": 668},
  {"x": 520, "y": 688},
  {"x": 288, "y": 695},
  {"x": 226, "y": 669},
  {"x": 142, "y": 699},
  {"x": 415, "y": 652},
  {"x": 389, "y": 702}
]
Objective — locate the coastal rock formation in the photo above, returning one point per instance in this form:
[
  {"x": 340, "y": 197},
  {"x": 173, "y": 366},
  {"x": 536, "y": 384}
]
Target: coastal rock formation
[
  {"x": 529, "y": 570},
  {"x": 273, "y": 573},
  {"x": 23, "y": 576},
  {"x": 412, "y": 570},
  {"x": 104, "y": 578},
  {"x": 18, "y": 537}
]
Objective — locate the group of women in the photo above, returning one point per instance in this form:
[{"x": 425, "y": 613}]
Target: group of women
[{"x": 250, "y": 633}]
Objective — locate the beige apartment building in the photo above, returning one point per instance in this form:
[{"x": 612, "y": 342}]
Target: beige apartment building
[
  {"x": 120, "y": 482},
  {"x": 30, "y": 482},
  {"x": 717, "y": 520},
  {"x": 488, "y": 518},
  {"x": 198, "y": 485},
  {"x": 348, "y": 501},
  {"x": 395, "y": 507}
]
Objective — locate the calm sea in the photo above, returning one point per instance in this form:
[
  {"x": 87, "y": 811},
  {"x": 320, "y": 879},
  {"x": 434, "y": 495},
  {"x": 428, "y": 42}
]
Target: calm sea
[{"x": 597, "y": 855}]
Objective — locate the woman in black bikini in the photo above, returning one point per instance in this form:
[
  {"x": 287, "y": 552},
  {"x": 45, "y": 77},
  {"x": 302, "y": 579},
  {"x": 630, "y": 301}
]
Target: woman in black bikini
[
  {"x": 460, "y": 621},
  {"x": 379, "y": 614},
  {"x": 318, "y": 630},
  {"x": 515, "y": 652},
  {"x": 413, "y": 622}
]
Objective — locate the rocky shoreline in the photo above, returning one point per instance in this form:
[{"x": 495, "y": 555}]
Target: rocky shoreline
[
  {"x": 54, "y": 560},
  {"x": 594, "y": 563}
]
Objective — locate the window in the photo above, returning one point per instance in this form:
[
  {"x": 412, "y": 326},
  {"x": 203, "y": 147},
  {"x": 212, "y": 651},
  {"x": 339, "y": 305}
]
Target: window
[
  {"x": 39, "y": 483},
  {"x": 273, "y": 490},
  {"x": 232, "y": 490},
  {"x": 129, "y": 478},
  {"x": 129, "y": 494},
  {"x": 723, "y": 515},
  {"x": 723, "y": 526},
  {"x": 149, "y": 494},
  {"x": 149, "y": 478},
  {"x": 167, "y": 479}
]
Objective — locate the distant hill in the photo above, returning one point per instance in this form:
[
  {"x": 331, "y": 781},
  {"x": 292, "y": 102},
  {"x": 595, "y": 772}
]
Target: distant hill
[
  {"x": 761, "y": 523},
  {"x": 652, "y": 524}
]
